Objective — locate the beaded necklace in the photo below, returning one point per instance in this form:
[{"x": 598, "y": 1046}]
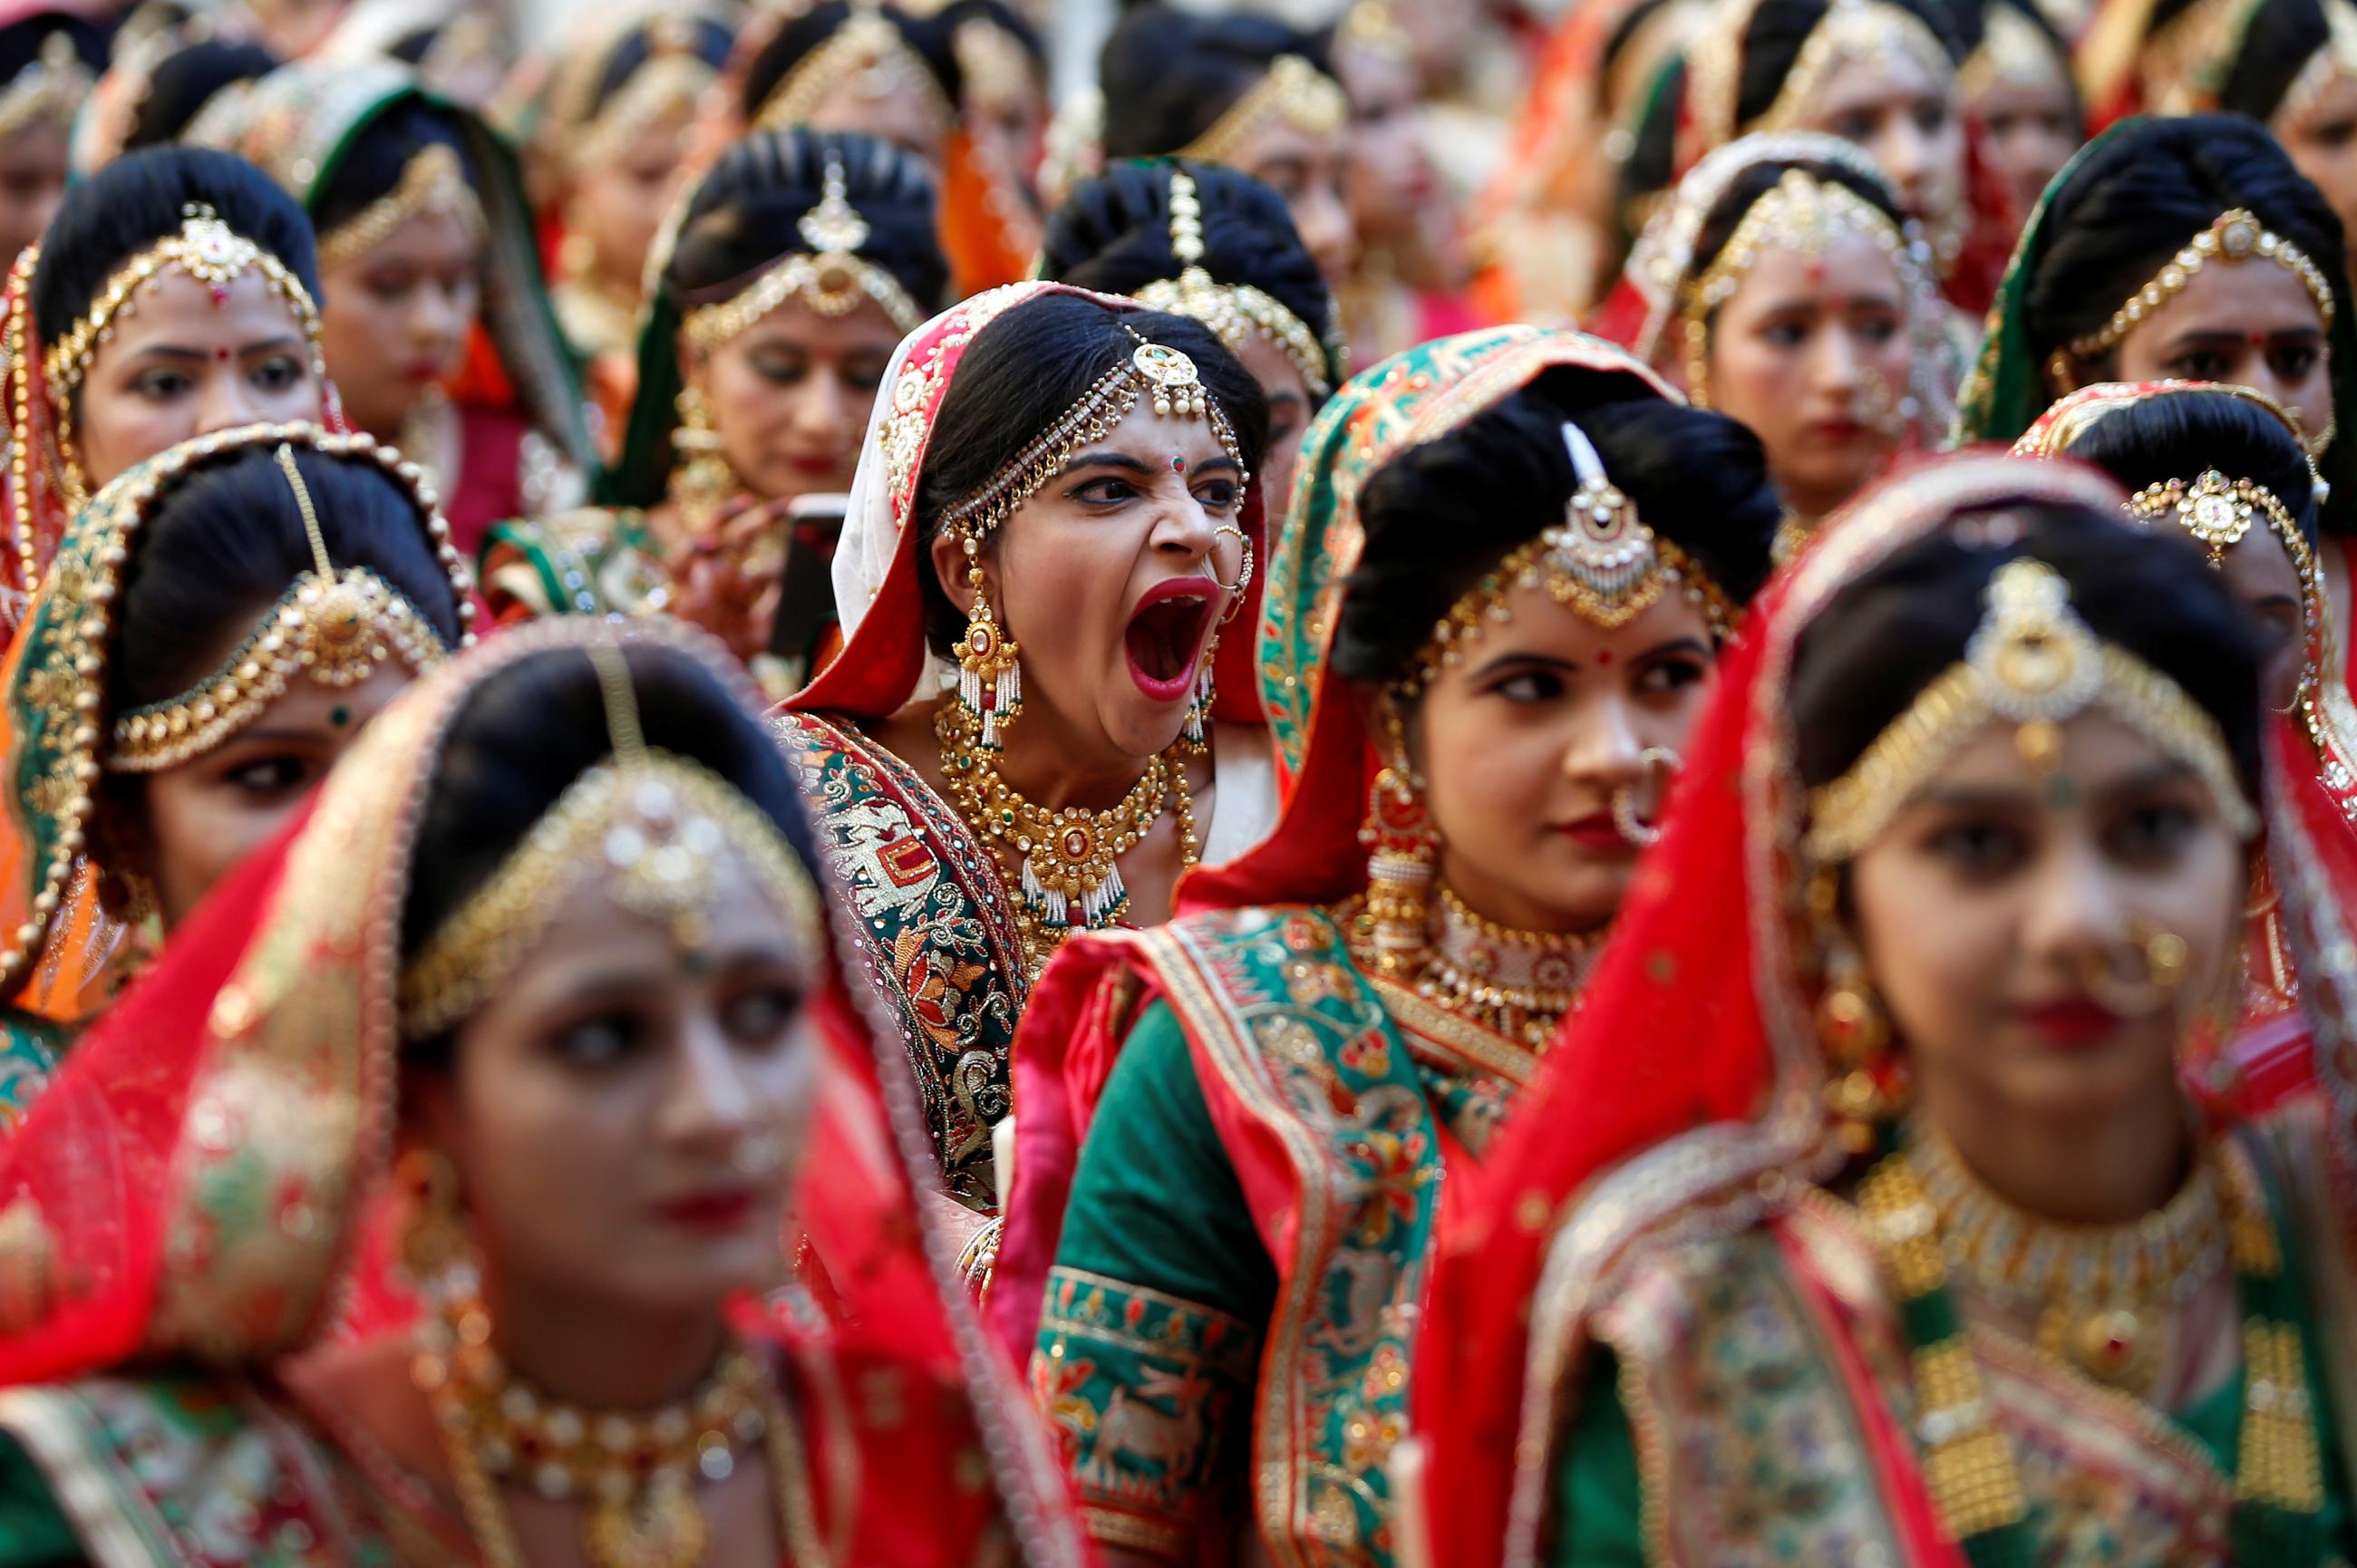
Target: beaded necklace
[
  {"x": 1968, "y": 1464},
  {"x": 1067, "y": 877}
]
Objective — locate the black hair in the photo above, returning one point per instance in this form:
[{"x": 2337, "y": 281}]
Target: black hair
[
  {"x": 712, "y": 44},
  {"x": 1028, "y": 370},
  {"x": 743, "y": 215},
  {"x": 1892, "y": 632},
  {"x": 1167, "y": 75},
  {"x": 185, "y": 80},
  {"x": 1440, "y": 517},
  {"x": 135, "y": 201},
  {"x": 1774, "y": 38},
  {"x": 382, "y": 152},
  {"x": 527, "y": 733},
  {"x": 2178, "y": 435},
  {"x": 926, "y": 37},
  {"x": 223, "y": 544},
  {"x": 1725, "y": 215},
  {"x": 23, "y": 42},
  {"x": 1113, "y": 234},
  {"x": 2142, "y": 194}
]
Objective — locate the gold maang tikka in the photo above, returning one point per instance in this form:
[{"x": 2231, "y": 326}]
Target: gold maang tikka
[
  {"x": 830, "y": 276},
  {"x": 2035, "y": 664},
  {"x": 331, "y": 626},
  {"x": 1602, "y": 562},
  {"x": 649, "y": 828},
  {"x": 1234, "y": 311}
]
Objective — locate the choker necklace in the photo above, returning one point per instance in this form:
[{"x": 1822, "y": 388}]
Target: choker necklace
[
  {"x": 636, "y": 1473},
  {"x": 1515, "y": 983},
  {"x": 1069, "y": 877},
  {"x": 2102, "y": 1291}
]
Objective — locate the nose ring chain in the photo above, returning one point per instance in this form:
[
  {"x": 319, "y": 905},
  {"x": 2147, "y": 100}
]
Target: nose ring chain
[{"x": 1635, "y": 830}]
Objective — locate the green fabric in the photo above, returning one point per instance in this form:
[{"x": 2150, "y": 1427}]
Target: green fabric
[
  {"x": 1597, "y": 1520},
  {"x": 642, "y": 474},
  {"x": 29, "y": 1049},
  {"x": 1176, "y": 1222},
  {"x": 2008, "y": 387},
  {"x": 33, "y": 1529},
  {"x": 590, "y": 561}
]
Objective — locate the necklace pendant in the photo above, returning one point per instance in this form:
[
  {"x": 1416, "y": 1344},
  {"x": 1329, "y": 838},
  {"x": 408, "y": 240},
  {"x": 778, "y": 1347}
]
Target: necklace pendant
[
  {"x": 659, "y": 1526},
  {"x": 2113, "y": 1344},
  {"x": 1061, "y": 895}
]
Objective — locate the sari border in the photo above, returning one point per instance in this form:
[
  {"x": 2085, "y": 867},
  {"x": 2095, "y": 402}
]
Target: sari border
[
  {"x": 116, "y": 1523},
  {"x": 1210, "y": 1018}
]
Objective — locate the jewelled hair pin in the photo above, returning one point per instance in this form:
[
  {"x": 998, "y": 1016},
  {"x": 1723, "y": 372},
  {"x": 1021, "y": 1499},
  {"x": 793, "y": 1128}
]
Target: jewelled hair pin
[
  {"x": 2034, "y": 663},
  {"x": 1603, "y": 560}
]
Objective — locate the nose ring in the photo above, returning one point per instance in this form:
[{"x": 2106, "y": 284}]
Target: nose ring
[
  {"x": 1637, "y": 833},
  {"x": 2158, "y": 952},
  {"x": 1243, "y": 578}
]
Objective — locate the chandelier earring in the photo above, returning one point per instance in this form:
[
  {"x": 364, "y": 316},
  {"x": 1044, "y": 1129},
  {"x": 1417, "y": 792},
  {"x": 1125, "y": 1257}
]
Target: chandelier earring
[
  {"x": 1862, "y": 1075},
  {"x": 435, "y": 1253},
  {"x": 701, "y": 479},
  {"x": 990, "y": 679},
  {"x": 1403, "y": 854}
]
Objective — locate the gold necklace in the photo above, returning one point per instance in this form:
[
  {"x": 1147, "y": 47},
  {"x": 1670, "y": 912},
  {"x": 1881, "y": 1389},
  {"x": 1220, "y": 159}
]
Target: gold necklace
[
  {"x": 1069, "y": 861},
  {"x": 637, "y": 1472},
  {"x": 2101, "y": 1291},
  {"x": 1513, "y": 983}
]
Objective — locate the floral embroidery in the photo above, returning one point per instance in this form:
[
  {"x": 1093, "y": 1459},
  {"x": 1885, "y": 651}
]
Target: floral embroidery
[{"x": 940, "y": 938}]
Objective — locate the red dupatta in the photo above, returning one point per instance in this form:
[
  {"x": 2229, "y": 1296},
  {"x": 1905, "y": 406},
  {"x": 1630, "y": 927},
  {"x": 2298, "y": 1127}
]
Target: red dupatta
[
  {"x": 1696, "y": 1016},
  {"x": 196, "y": 1184}
]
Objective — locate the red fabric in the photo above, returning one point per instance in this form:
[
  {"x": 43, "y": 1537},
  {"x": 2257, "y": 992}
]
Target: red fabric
[
  {"x": 489, "y": 484},
  {"x": 94, "y": 1158}
]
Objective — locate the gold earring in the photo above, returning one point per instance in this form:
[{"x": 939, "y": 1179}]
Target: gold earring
[
  {"x": 433, "y": 1245},
  {"x": 1862, "y": 1080},
  {"x": 990, "y": 682},
  {"x": 701, "y": 479},
  {"x": 1403, "y": 848}
]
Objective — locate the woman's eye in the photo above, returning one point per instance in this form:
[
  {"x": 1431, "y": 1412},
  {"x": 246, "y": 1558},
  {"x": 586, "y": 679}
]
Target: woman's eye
[
  {"x": 1930, "y": 118},
  {"x": 1856, "y": 127},
  {"x": 758, "y": 1016},
  {"x": 1530, "y": 686},
  {"x": 278, "y": 373},
  {"x": 1104, "y": 492},
  {"x": 2293, "y": 363},
  {"x": 2201, "y": 365},
  {"x": 861, "y": 379},
  {"x": 780, "y": 372},
  {"x": 2151, "y": 833},
  {"x": 1785, "y": 334},
  {"x": 1979, "y": 851},
  {"x": 1218, "y": 495},
  {"x": 162, "y": 386},
  {"x": 1672, "y": 675},
  {"x": 386, "y": 289},
  {"x": 1879, "y": 329},
  {"x": 600, "y": 1040},
  {"x": 269, "y": 775}
]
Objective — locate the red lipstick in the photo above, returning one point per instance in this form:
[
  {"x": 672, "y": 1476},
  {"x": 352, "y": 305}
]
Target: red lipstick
[
  {"x": 2072, "y": 1023},
  {"x": 725, "y": 1207},
  {"x": 1596, "y": 832},
  {"x": 1165, "y": 636}
]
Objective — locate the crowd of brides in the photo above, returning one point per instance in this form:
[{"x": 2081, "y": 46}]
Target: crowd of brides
[{"x": 1479, "y": 788}]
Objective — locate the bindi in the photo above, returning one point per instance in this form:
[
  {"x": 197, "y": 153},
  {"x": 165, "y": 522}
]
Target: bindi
[
  {"x": 1603, "y": 658},
  {"x": 1178, "y": 464}
]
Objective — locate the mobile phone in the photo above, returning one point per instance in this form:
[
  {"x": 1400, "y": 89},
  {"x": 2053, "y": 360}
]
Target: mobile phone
[{"x": 806, "y": 619}]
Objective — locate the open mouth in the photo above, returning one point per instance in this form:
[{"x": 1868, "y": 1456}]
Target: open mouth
[{"x": 1165, "y": 635}]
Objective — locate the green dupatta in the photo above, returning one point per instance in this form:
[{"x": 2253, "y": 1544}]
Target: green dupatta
[
  {"x": 300, "y": 122},
  {"x": 2006, "y": 388}
]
